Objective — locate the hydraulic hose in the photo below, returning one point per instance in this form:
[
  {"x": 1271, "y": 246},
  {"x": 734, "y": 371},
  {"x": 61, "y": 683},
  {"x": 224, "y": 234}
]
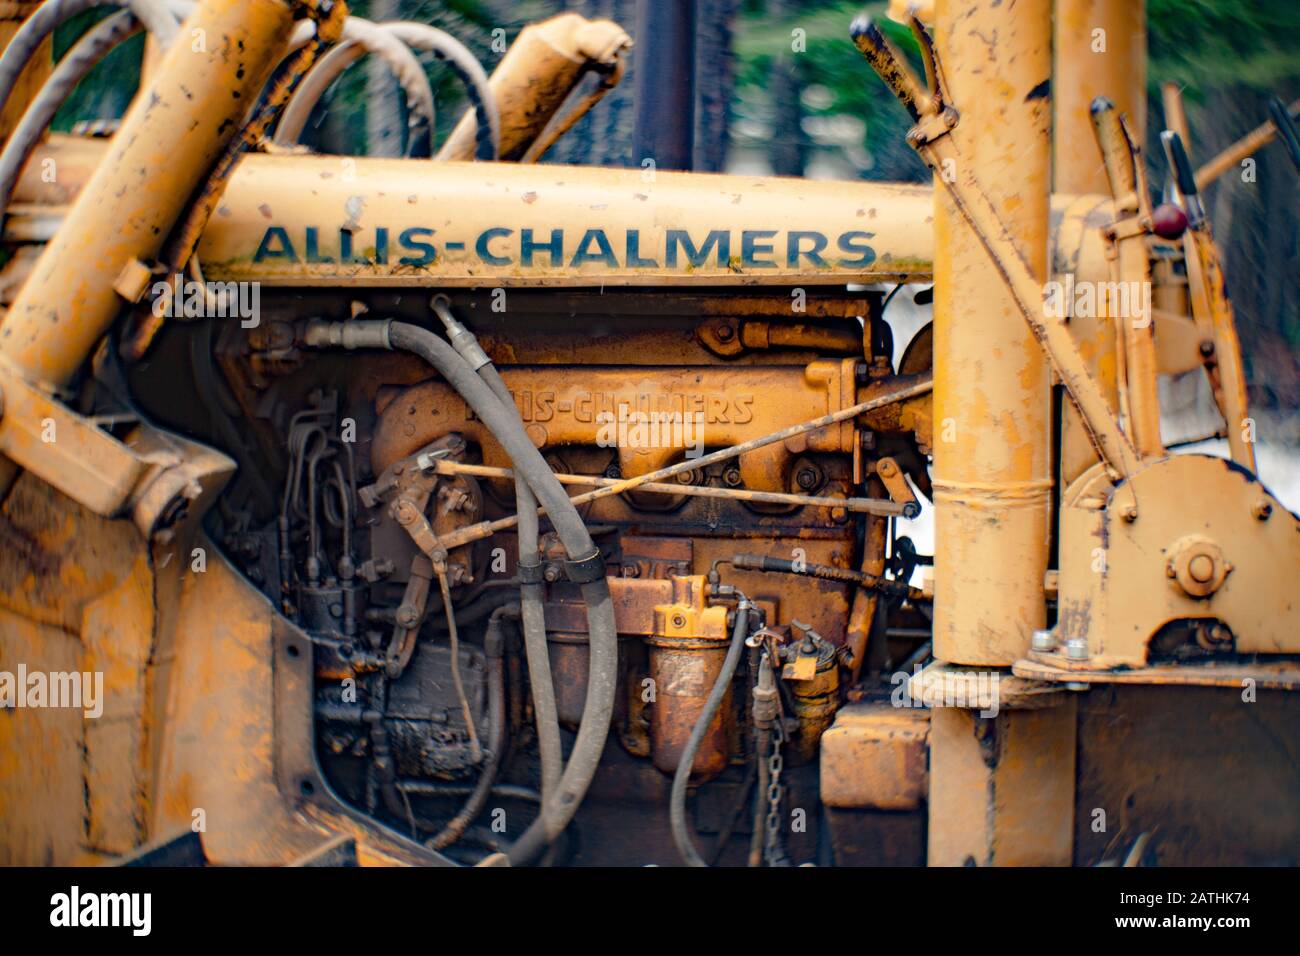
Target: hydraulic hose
[
  {"x": 71, "y": 70},
  {"x": 533, "y": 620},
  {"x": 154, "y": 14},
  {"x": 530, "y": 587},
  {"x": 677, "y": 801},
  {"x": 584, "y": 558},
  {"x": 421, "y": 36},
  {"x": 359, "y": 38}
]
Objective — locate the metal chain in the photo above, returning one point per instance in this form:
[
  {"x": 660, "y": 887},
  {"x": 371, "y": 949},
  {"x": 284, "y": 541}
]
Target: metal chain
[{"x": 773, "y": 850}]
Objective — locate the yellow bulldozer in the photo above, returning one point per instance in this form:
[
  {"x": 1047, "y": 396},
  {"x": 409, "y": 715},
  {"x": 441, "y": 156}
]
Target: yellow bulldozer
[{"x": 469, "y": 510}]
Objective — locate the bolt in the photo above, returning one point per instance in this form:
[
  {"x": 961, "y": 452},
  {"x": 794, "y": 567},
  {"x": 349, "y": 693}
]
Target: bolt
[
  {"x": 1201, "y": 568},
  {"x": 807, "y": 478},
  {"x": 1130, "y": 513},
  {"x": 732, "y": 477},
  {"x": 1263, "y": 508},
  {"x": 1076, "y": 649},
  {"x": 725, "y": 333},
  {"x": 1043, "y": 641},
  {"x": 679, "y": 620},
  {"x": 551, "y": 574}
]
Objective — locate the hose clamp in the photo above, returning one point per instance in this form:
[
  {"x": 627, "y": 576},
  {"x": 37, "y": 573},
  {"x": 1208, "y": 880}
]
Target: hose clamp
[
  {"x": 585, "y": 570},
  {"x": 530, "y": 573}
]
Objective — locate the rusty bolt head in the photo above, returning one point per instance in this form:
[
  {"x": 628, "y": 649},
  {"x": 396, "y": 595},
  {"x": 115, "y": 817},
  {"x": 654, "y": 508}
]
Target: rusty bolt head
[
  {"x": 725, "y": 332},
  {"x": 732, "y": 477},
  {"x": 551, "y": 574},
  {"x": 679, "y": 620},
  {"x": 1130, "y": 513},
  {"x": 1263, "y": 508},
  {"x": 807, "y": 478}
]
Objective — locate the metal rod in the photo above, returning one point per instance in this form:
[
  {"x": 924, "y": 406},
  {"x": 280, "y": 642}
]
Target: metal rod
[
  {"x": 486, "y": 529},
  {"x": 1260, "y": 136},
  {"x": 873, "y": 506}
]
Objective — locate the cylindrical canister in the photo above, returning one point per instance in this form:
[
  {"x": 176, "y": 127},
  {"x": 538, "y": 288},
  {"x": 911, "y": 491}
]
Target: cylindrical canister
[{"x": 684, "y": 670}]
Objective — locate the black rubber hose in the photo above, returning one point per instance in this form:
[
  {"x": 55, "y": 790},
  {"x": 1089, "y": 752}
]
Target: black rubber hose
[
  {"x": 677, "y": 802},
  {"x": 508, "y": 428},
  {"x": 533, "y": 617},
  {"x": 506, "y": 425}
]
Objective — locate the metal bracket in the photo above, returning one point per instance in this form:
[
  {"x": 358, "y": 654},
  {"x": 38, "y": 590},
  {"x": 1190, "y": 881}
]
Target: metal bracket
[{"x": 71, "y": 452}]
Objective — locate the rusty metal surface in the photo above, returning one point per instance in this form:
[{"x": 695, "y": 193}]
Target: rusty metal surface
[
  {"x": 875, "y": 757},
  {"x": 220, "y": 693}
]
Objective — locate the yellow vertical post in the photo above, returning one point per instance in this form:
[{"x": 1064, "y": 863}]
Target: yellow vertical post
[
  {"x": 1099, "y": 49},
  {"x": 1001, "y": 784},
  {"x": 1002, "y": 788},
  {"x": 992, "y": 470}
]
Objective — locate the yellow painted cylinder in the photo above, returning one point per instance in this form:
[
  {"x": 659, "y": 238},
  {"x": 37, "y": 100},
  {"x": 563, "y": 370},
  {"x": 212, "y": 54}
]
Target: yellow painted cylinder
[
  {"x": 535, "y": 77},
  {"x": 169, "y": 139},
  {"x": 1100, "y": 50},
  {"x": 992, "y": 472}
]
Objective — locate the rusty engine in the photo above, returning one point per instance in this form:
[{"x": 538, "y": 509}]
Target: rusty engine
[{"x": 483, "y": 511}]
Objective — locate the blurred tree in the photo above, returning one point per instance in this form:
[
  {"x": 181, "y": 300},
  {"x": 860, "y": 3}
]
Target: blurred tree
[{"x": 1230, "y": 56}]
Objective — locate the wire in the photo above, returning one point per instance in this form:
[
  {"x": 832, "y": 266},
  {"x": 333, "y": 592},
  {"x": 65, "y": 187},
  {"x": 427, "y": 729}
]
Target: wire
[{"x": 476, "y": 751}]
